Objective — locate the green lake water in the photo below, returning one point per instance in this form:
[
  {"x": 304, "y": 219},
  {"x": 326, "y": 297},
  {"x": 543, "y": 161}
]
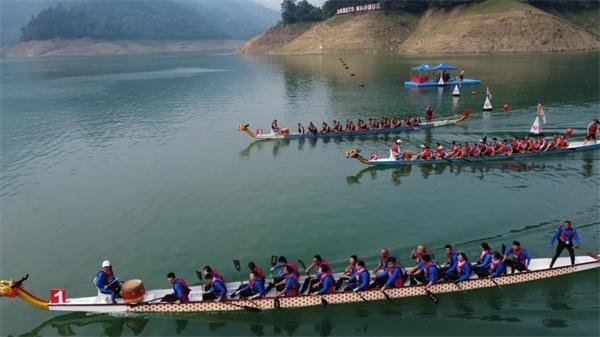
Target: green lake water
[{"x": 137, "y": 159}]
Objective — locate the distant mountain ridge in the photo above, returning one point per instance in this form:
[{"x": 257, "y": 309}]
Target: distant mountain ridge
[{"x": 133, "y": 19}]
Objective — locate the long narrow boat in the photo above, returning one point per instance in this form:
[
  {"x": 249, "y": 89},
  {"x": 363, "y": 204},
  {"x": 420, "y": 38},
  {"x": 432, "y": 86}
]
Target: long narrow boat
[
  {"x": 538, "y": 270},
  {"x": 294, "y": 135},
  {"x": 573, "y": 147}
]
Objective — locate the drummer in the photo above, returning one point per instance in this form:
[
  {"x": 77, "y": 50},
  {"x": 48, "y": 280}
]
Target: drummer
[
  {"x": 107, "y": 282},
  {"x": 181, "y": 291}
]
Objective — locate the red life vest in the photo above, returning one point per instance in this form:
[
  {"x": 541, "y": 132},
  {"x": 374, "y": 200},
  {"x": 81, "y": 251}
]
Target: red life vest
[
  {"x": 259, "y": 273},
  {"x": 109, "y": 276},
  {"x": 398, "y": 282},
  {"x": 294, "y": 291},
  {"x": 592, "y": 128},
  {"x": 566, "y": 235},
  {"x": 217, "y": 274},
  {"x": 331, "y": 288},
  {"x": 395, "y": 148},
  {"x": 295, "y": 268},
  {"x": 488, "y": 150},
  {"x": 185, "y": 289}
]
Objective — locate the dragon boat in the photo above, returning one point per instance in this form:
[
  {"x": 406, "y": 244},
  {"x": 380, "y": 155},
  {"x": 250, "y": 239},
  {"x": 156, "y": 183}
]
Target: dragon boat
[
  {"x": 389, "y": 161},
  {"x": 285, "y": 134},
  {"x": 538, "y": 270}
]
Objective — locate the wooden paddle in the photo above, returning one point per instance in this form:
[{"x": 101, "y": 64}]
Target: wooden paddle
[
  {"x": 236, "y": 265},
  {"x": 443, "y": 272},
  {"x": 245, "y": 307},
  {"x": 386, "y": 295},
  {"x": 323, "y": 300},
  {"x": 431, "y": 296}
]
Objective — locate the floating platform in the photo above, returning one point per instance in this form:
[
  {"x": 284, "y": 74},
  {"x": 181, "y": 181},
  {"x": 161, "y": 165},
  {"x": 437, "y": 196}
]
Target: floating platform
[{"x": 431, "y": 84}]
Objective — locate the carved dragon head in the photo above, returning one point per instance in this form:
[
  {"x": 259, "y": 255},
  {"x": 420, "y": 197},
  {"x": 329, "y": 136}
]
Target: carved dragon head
[
  {"x": 8, "y": 288},
  {"x": 352, "y": 153},
  {"x": 243, "y": 127}
]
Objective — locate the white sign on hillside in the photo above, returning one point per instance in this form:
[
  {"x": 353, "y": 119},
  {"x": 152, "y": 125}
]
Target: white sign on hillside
[{"x": 361, "y": 8}]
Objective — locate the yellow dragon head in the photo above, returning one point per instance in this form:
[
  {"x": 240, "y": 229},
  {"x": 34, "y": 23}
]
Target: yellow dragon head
[{"x": 8, "y": 288}]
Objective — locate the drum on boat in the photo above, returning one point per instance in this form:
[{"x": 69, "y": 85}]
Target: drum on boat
[
  {"x": 133, "y": 291},
  {"x": 284, "y": 131}
]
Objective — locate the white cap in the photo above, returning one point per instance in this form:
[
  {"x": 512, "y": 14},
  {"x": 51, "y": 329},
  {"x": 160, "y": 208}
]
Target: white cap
[
  {"x": 422, "y": 146},
  {"x": 398, "y": 141},
  {"x": 105, "y": 264},
  {"x": 440, "y": 147}
]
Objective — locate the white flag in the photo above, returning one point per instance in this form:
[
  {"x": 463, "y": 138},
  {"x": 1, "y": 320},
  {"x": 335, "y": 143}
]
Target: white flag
[{"x": 536, "y": 128}]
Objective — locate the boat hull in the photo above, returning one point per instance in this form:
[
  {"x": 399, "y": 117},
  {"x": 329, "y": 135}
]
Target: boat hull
[
  {"x": 401, "y": 129},
  {"x": 431, "y": 84},
  {"x": 538, "y": 266},
  {"x": 574, "y": 147}
]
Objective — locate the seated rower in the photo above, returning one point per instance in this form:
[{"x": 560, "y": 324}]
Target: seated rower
[
  {"x": 497, "y": 267},
  {"x": 497, "y": 145},
  {"x": 256, "y": 283},
  {"x": 325, "y": 128},
  {"x": 516, "y": 145},
  {"x": 545, "y": 145},
  {"x": 466, "y": 149},
  {"x": 505, "y": 148},
  {"x": 475, "y": 150},
  {"x": 463, "y": 269},
  {"x": 316, "y": 263},
  {"x": 425, "y": 153},
  {"x": 486, "y": 149},
  {"x": 395, "y": 275},
  {"x": 107, "y": 283},
  {"x": 181, "y": 291},
  {"x": 349, "y": 274},
  {"x": 429, "y": 114},
  {"x": 312, "y": 129},
  {"x": 408, "y": 121},
  {"x": 482, "y": 266},
  {"x": 385, "y": 123},
  {"x": 449, "y": 268},
  {"x": 396, "y": 123},
  {"x": 274, "y": 127},
  {"x": 534, "y": 146},
  {"x": 519, "y": 258},
  {"x": 591, "y": 132},
  {"x": 337, "y": 126},
  {"x": 440, "y": 153},
  {"x": 362, "y": 277},
  {"x": 416, "y": 121},
  {"x": 380, "y": 269},
  {"x": 563, "y": 143},
  {"x": 280, "y": 279},
  {"x": 215, "y": 272},
  {"x": 217, "y": 291},
  {"x": 326, "y": 282},
  {"x": 300, "y": 129},
  {"x": 255, "y": 288},
  {"x": 395, "y": 150},
  {"x": 291, "y": 283},
  {"x": 417, "y": 255},
  {"x": 427, "y": 273}
]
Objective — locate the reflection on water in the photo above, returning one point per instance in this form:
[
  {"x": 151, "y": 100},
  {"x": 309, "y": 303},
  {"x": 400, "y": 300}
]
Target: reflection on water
[{"x": 66, "y": 325}]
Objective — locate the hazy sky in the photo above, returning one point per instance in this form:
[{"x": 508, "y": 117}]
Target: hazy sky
[{"x": 276, "y": 4}]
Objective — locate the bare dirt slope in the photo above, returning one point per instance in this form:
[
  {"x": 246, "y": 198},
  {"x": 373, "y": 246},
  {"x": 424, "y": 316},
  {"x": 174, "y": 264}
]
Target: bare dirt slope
[
  {"x": 496, "y": 26},
  {"x": 488, "y": 27}
]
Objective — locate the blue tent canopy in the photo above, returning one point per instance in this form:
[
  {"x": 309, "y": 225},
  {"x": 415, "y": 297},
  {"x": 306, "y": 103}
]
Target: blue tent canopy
[
  {"x": 444, "y": 66},
  {"x": 421, "y": 67}
]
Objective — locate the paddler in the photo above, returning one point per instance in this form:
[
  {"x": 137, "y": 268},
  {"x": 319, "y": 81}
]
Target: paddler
[
  {"x": 466, "y": 149},
  {"x": 395, "y": 150},
  {"x": 181, "y": 291},
  {"x": 107, "y": 283},
  {"x": 255, "y": 288},
  {"x": 291, "y": 283},
  {"x": 280, "y": 280},
  {"x": 326, "y": 282},
  {"x": 429, "y": 114},
  {"x": 217, "y": 290},
  {"x": 312, "y": 129},
  {"x": 427, "y": 272},
  {"x": 349, "y": 274},
  {"x": 565, "y": 236},
  {"x": 449, "y": 268},
  {"x": 325, "y": 128},
  {"x": 425, "y": 153},
  {"x": 396, "y": 123},
  {"x": 519, "y": 258},
  {"x": 592, "y": 131},
  {"x": 316, "y": 263},
  {"x": 300, "y": 129},
  {"x": 215, "y": 272},
  {"x": 256, "y": 283},
  {"x": 440, "y": 153},
  {"x": 485, "y": 259},
  {"x": 463, "y": 269},
  {"x": 497, "y": 266},
  {"x": 274, "y": 127},
  {"x": 395, "y": 275},
  {"x": 362, "y": 277},
  {"x": 380, "y": 269}
]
